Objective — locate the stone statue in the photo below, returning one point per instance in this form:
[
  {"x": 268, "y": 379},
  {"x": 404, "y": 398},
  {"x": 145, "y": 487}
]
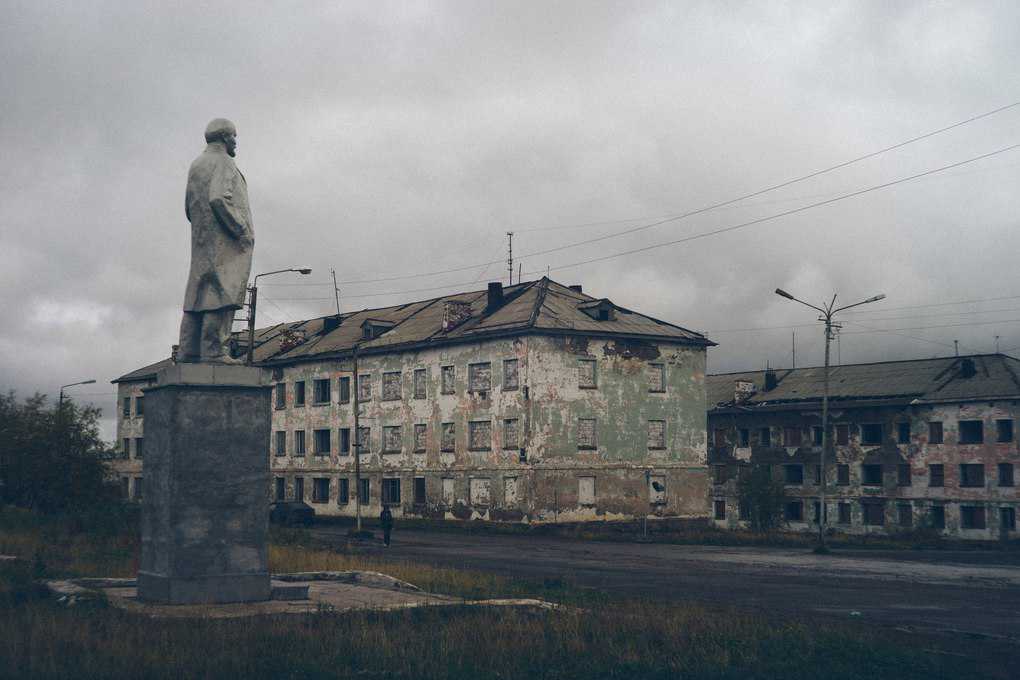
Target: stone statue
[{"x": 222, "y": 241}]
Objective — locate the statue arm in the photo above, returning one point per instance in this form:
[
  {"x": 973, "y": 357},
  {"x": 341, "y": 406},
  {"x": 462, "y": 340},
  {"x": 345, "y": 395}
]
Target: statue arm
[{"x": 221, "y": 200}]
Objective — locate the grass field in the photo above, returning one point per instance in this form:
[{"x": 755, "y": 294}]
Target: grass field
[{"x": 600, "y": 637}]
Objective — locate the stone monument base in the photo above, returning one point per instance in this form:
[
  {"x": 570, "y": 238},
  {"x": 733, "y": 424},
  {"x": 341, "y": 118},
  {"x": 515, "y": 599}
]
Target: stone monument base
[{"x": 205, "y": 507}]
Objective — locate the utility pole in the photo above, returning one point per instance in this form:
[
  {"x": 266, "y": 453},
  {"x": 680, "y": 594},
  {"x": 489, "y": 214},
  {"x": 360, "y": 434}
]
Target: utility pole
[
  {"x": 253, "y": 299},
  {"x": 336, "y": 292},
  {"x": 956, "y": 347},
  {"x": 794, "y": 350},
  {"x": 356, "y": 384},
  {"x": 827, "y": 313},
  {"x": 996, "y": 344},
  {"x": 510, "y": 256}
]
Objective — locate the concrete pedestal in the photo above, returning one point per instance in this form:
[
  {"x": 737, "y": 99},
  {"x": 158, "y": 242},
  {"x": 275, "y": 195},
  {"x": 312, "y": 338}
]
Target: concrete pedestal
[{"x": 205, "y": 504}]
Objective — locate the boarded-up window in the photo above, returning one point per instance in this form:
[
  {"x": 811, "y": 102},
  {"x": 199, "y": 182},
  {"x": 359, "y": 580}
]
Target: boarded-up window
[
  {"x": 510, "y": 379},
  {"x": 657, "y": 489},
  {"x": 510, "y": 438},
  {"x": 299, "y": 442},
  {"x": 586, "y": 374},
  {"x": 448, "y": 437},
  {"x": 509, "y": 491},
  {"x": 419, "y": 383},
  {"x": 364, "y": 442},
  {"x": 448, "y": 496},
  {"x": 281, "y": 398},
  {"x": 391, "y": 386},
  {"x": 480, "y": 377},
  {"x": 586, "y": 433},
  {"x": 365, "y": 387},
  {"x": 448, "y": 377},
  {"x": 656, "y": 434},
  {"x": 656, "y": 377},
  {"x": 481, "y": 491},
  {"x": 420, "y": 434},
  {"x": 391, "y": 439},
  {"x": 586, "y": 491},
  {"x": 480, "y": 435},
  {"x": 320, "y": 490}
]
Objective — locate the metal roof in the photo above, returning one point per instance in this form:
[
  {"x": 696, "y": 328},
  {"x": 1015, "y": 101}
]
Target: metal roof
[{"x": 924, "y": 380}]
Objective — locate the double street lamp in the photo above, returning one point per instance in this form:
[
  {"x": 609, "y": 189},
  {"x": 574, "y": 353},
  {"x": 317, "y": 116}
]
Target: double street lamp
[
  {"x": 254, "y": 294},
  {"x": 827, "y": 313}
]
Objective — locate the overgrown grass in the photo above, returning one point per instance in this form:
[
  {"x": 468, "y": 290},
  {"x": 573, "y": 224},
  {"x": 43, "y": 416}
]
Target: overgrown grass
[{"x": 601, "y": 637}]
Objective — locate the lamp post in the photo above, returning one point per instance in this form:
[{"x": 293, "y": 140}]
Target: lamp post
[
  {"x": 254, "y": 291},
  {"x": 62, "y": 425},
  {"x": 60, "y": 401},
  {"x": 827, "y": 312}
]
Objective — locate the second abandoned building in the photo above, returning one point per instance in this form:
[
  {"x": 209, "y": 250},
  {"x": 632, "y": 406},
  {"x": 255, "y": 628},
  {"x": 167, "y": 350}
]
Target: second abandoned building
[{"x": 533, "y": 402}]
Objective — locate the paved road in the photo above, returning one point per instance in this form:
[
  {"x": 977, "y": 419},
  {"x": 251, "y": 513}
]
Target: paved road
[{"x": 966, "y": 594}]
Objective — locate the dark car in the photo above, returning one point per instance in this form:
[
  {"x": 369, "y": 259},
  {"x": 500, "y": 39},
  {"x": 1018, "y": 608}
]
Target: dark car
[{"x": 291, "y": 513}]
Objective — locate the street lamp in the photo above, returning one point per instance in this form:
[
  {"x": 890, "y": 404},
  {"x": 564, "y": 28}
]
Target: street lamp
[
  {"x": 254, "y": 290},
  {"x": 827, "y": 313},
  {"x": 60, "y": 401}
]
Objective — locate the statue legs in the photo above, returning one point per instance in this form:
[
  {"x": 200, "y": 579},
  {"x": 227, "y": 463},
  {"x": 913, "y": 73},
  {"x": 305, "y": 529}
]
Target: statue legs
[{"x": 204, "y": 337}]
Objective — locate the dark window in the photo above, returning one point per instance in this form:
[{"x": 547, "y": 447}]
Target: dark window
[
  {"x": 816, "y": 435},
  {"x": 842, "y": 434},
  {"x": 936, "y": 475},
  {"x": 322, "y": 390},
  {"x": 971, "y": 432},
  {"x": 126, "y": 450},
  {"x": 321, "y": 442},
  {"x": 791, "y": 436},
  {"x": 391, "y": 491},
  {"x": 299, "y": 393},
  {"x": 1005, "y": 473},
  {"x": 744, "y": 437},
  {"x": 299, "y": 488},
  {"x": 842, "y": 475},
  {"x": 480, "y": 377},
  {"x": 511, "y": 381},
  {"x": 844, "y": 513},
  {"x": 935, "y": 432},
  {"x": 448, "y": 379},
  {"x": 320, "y": 490},
  {"x": 816, "y": 511},
  {"x": 656, "y": 377},
  {"x": 345, "y": 390},
  {"x": 281, "y": 443},
  {"x": 720, "y": 474},
  {"x": 937, "y": 516},
  {"x": 586, "y": 374},
  {"x": 364, "y": 493},
  {"x": 873, "y": 512},
  {"x": 871, "y": 434},
  {"x": 972, "y": 516},
  {"x": 281, "y": 395},
  {"x": 124, "y": 482},
  {"x": 1007, "y": 519},
  {"x": 903, "y": 474},
  {"x": 719, "y": 436},
  {"x": 447, "y": 437},
  {"x": 419, "y": 491},
  {"x": 420, "y": 437},
  {"x": 345, "y": 440},
  {"x": 902, "y": 433},
  {"x": 871, "y": 475},
  {"x": 793, "y": 511},
  {"x": 794, "y": 474},
  {"x": 140, "y": 449},
  {"x": 343, "y": 491},
  {"x": 972, "y": 475},
  {"x": 127, "y": 413},
  {"x": 281, "y": 489},
  {"x": 720, "y": 509},
  {"x": 391, "y": 386},
  {"x": 365, "y": 387},
  {"x": 420, "y": 377},
  {"x": 140, "y": 409},
  {"x": 765, "y": 436},
  {"x": 905, "y": 515},
  {"x": 818, "y": 475},
  {"x": 1003, "y": 431},
  {"x": 743, "y": 510},
  {"x": 299, "y": 442},
  {"x": 138, "y": 489},
  {"x": 364, "y": 440}
]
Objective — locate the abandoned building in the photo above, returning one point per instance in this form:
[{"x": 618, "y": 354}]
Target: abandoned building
[
  {"x": 925, "y": 443},
  {"x": 532, "y": 402}
]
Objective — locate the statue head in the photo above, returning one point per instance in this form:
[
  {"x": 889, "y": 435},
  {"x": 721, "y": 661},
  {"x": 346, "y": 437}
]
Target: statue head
[{"x": 222, "y": 130}]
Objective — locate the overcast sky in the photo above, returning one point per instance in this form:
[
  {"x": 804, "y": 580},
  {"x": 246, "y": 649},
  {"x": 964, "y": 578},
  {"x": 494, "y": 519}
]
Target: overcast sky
[{"x": 389, "y": 139}]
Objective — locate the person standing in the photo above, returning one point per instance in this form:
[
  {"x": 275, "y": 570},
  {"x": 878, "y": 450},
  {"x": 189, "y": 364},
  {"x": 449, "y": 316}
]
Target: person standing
[{"x": 386, "y": 521}]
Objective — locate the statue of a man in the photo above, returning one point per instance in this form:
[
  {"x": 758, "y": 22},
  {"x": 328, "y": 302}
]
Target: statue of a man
[{"x": 222, "y": 241}]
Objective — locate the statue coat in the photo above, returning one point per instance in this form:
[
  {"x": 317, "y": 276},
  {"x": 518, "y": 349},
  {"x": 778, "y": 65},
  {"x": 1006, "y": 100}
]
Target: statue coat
[{"x": 222, "y": 237}]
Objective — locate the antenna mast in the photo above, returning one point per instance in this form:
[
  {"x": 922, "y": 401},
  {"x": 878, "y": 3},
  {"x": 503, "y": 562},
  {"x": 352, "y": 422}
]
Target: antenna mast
[
  {"x": 510, "y": 256},
  {"x": 336, "y": 292}
]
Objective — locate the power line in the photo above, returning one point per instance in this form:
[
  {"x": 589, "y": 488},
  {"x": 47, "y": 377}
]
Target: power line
[{"x": 933, "y": 304}]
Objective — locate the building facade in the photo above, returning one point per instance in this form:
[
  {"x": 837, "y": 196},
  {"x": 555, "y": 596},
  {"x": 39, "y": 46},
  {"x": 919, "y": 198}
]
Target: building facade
[
  {"x": 530, "y": 403},
  {"x": 928, "y": 443}
]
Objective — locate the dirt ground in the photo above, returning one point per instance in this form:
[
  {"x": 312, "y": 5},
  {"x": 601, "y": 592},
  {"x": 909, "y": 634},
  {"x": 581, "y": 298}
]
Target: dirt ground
[{"x": 968, "y": 599}]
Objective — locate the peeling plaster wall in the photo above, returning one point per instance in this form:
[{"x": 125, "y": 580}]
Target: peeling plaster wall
[
  {"x": 128, "y": 465},
  {"x": 919, "y": 454}
]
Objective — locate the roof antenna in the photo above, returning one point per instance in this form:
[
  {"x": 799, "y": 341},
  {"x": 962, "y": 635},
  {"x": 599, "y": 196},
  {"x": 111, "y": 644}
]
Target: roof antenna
[
  {"x": 510, "y": 257},
  {"x": 996, "y": 344},
  {"x": 519, "y": 267},
  {"x": 336, "y": 292},
  {"x": 956, "y": 347},
  {"x": 794, "y": 362}
]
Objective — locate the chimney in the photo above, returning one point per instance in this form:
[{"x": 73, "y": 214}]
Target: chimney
[
  {"x": 771, "y": 380},
  {"x": 743, "y": 390},
  {"x": 330, "y": 324},
  {"x": 495, "y": 296},
  {"x": 576, "y": 288},
  {"x": 967, "y": 368}
]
